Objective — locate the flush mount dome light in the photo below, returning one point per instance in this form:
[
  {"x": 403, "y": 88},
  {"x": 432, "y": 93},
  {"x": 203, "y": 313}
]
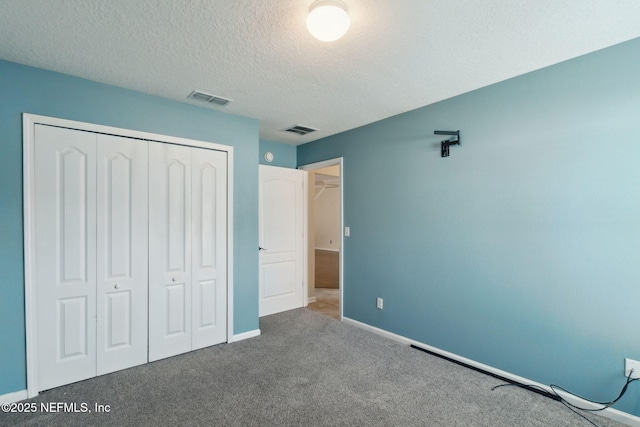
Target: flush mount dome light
[{"x": 328, "y": 20}]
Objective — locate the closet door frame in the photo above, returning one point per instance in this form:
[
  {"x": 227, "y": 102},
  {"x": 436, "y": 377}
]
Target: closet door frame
[{"x": 29, "y": 121}]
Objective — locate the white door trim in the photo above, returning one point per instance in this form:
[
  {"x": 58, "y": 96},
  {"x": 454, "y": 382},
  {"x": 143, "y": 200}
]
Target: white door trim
[
  {"x": 319, "y": 165},
  {"x": 28, "y": 127}
]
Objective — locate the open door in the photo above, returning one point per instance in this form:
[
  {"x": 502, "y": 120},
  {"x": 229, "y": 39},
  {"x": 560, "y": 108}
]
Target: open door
[{"x": 281, "y": 205}]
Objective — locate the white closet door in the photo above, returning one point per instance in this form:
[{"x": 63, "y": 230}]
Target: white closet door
[
  {"x": 169, "y": 250},
  {"x": 209, "y": 262},
  {"x": 130, "y": 252},
  {"x": 65, "y": 222},
  {"x": 122, "y": 247}
]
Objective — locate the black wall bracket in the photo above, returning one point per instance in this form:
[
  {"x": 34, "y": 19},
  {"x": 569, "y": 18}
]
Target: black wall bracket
[{"x": 444, "y": 145}]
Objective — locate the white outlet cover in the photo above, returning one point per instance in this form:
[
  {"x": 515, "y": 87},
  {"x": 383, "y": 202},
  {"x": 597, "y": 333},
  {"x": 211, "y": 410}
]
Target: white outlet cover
[{"x": 630, "y": 364}]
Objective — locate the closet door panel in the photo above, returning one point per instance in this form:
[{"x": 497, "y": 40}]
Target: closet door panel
[
  {"x": 209, "y": 183},
  {"x": 65, "y": 180},
  {"x": 169, "y": 250},
  {"x": 122, "y": 266}
]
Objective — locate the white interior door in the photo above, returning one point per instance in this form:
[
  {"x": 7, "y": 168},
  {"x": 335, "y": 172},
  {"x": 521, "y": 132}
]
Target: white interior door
[
  {"x": 209, "y": 250},
  {"x": 122, "y": 252},
  {"x": 281, "y": 207},
  {"x": 65, "y": 229},
  {"x": 169, "y": 250}
]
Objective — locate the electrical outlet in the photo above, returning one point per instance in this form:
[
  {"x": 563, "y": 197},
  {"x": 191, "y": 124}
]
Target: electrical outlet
[
  {"x": 630, "y": 364},
  {"x": 379, "y": 302}
]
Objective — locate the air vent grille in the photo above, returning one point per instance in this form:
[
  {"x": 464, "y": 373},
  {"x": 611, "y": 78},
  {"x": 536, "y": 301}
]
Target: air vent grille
[
  {"x": 207, "y": 97},
  {"x": 300, "y": 130}
]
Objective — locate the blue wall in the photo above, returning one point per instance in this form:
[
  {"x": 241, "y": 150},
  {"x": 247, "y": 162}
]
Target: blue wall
[
  {"x": 522, "y": 249},
  {"x": 284, "y": 155},
  {"x": 26, "y": 89}
]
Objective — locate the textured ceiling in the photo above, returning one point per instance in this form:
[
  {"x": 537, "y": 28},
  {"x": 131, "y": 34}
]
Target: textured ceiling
[{"x": 398, "y": 55}]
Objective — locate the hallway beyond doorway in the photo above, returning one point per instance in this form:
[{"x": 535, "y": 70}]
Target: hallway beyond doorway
[{"x": 327, "y": 302}]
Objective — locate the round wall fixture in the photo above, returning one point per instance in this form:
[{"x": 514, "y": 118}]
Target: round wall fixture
[
  {"x": 268, "y": 156},
  {"x": 328, "y": 20}
]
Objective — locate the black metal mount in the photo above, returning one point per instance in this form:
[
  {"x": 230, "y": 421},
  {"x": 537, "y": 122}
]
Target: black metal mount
[{"x": 444, "y": 145}]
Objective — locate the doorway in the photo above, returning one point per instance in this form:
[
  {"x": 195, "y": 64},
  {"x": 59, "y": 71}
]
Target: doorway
[{"x": 325, "y": 241}]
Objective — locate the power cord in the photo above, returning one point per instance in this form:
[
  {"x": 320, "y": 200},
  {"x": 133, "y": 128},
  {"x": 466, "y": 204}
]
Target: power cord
[
  {"x": 573, "y": 407},
  {"x": 605, "y": 404},
  {"x": 544, "y": 392}
]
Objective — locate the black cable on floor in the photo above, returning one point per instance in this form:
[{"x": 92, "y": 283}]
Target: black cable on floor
[
  {"x": 537, "y": 389},
  {"x": 574, "y": 408},
  {"x": 491, "y": 374},
  {"x": 605, "y": 404},
  {"x": 558, "y": 398}
]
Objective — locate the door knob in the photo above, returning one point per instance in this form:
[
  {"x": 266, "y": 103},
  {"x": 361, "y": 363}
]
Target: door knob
[
  {"x": 173, "y": 279},
  {"x": 117, "y": 286}
]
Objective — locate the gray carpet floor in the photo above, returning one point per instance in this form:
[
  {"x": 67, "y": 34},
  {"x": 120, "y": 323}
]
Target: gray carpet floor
[{"x": 305, "y": 369}]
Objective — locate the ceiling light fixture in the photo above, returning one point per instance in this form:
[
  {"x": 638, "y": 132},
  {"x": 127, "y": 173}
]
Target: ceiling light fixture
[{"x": 328, "y": 20}]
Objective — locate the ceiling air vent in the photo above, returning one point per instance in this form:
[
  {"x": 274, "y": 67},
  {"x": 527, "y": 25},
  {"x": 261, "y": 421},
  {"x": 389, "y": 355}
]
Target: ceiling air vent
[
  {"x": 207, "y": 97},
  {"x": 300, "y": 130}
]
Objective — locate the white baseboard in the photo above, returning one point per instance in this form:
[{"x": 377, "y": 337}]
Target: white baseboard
[
  {"x": 16, "y": 396},
  {"x": 311, "y": 300},
  {"x": 246, "y": 335},
  {"x": 613, "y": 414},
  {"x": 621, "y": 417}
]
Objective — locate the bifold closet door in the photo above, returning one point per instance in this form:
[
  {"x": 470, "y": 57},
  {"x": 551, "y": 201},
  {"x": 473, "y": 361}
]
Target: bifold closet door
[
  {"x": 187, "y": 249},
  {"x": 209, "y": 247},
  {"x": 122, "y": 253},
  {"x": 169, "y": 250},
  {"x": 65, "y": 181},
  {"x": 90, "y": 249}
]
